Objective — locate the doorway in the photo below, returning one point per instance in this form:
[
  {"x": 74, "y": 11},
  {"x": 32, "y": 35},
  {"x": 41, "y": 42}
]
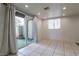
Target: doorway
[
  {"x": 23, "y": 29},
  {"x": 30, "y": 31}
]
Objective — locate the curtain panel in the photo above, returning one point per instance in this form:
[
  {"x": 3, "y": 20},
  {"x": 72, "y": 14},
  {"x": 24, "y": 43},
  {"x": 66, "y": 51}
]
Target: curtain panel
[{"x": 8, "y": 44}]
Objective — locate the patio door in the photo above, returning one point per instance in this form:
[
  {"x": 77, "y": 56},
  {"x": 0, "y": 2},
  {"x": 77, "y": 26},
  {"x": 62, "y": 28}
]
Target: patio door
[
  {"x": 20, "y": 32},
  {"x": 23, "y": 30},
  {"x": 30, "y": 31}
]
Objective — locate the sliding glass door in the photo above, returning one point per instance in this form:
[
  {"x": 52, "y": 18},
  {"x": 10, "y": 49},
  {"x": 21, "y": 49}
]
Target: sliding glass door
[
  {"x": 30, "y": 26},
  {"x": 23, "y": 30},
  {"x": 20, "y": 32}
]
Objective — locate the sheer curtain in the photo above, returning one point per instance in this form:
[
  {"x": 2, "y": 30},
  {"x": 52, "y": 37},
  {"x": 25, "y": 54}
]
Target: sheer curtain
[{"x": 8, "y": 44}]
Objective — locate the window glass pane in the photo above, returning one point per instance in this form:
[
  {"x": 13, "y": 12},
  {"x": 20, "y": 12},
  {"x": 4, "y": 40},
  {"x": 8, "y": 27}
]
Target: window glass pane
[
  {"x": 30, "y": 29},
  {"x": 19, "y": 25},
  {"x": 57, "y": 23},
  {"x": 50, "y": 24},
  {"x": 54, "y": 24},
  {"x": 20, "y": 20}
]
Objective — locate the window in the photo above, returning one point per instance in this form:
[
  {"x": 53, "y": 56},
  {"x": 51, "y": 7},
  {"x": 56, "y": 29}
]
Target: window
[
  {"x": 19, "y": 22},
  {"x": 54, "y": 24},
  {"x": 30, "y": 29}
]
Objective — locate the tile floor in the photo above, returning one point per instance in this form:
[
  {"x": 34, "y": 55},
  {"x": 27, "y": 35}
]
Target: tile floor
[{"x": 50, "y": 48}]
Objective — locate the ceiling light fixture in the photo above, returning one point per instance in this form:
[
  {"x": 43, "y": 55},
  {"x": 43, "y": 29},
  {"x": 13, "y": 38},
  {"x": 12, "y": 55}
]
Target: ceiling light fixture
[
  {"x": 26, "y": 6},
  {"x": 64, "y": 8}
]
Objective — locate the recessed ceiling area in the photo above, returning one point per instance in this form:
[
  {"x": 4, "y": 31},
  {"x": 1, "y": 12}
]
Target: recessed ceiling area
[{"x": 52, "y": 9}]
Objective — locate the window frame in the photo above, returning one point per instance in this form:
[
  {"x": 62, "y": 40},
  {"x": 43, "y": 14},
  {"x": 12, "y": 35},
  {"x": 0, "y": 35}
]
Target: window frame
[{"x": 54, "y": 23}]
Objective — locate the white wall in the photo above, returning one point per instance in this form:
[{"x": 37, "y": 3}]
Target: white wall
[
  {"x": 39, "y": 29},
  {"x": 69, "y": 30}
]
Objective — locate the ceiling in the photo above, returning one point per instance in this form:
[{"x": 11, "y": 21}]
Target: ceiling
[{"x": 55, "y": 9}]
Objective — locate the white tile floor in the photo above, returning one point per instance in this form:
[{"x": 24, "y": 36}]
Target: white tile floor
[{"x": 50, "y": 48}]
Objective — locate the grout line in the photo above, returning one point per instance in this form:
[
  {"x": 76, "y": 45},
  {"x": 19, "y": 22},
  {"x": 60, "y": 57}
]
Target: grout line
[
  {"x": 55, "y": 48},
  {"x": 45, "y": 49},
  {"x": 64, "y": 48},
  {"x": 73, "y": 50}
]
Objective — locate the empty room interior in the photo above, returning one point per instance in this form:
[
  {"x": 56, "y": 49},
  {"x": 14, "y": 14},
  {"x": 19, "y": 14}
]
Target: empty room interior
[{"x": 39, "y": 29}]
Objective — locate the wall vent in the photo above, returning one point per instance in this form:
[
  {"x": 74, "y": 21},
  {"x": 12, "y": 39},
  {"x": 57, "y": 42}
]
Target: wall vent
[
  {"x": 46, "y": 8},
  {"x": 77, "y": 43}
]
